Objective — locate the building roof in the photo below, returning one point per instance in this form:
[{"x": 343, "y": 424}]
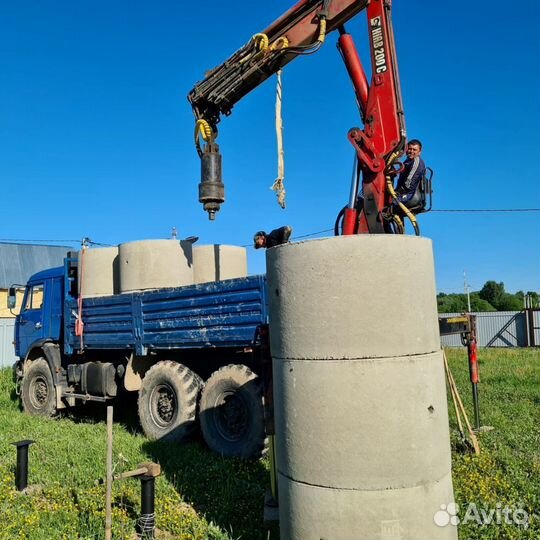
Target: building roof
[{"x": 19, "y": 261}]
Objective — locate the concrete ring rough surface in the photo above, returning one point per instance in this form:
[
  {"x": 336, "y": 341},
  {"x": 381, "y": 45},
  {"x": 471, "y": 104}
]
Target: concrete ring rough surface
[{"x": 362, "y": 437}]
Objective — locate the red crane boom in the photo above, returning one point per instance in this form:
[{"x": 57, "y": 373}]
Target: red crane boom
[{"x": 302, "y": 30}]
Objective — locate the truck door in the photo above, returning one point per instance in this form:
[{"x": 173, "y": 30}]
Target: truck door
[{"x": 30, "y": 320}]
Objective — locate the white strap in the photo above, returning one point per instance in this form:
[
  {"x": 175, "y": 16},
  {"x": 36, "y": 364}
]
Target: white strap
[{"x": 279, "y": 186}]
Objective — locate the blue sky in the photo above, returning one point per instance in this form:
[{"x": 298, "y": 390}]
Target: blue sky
[{"x": 97, "y": 135}]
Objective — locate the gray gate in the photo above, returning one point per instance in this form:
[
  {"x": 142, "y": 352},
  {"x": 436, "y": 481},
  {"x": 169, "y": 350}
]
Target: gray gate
[{"x": 501, "y": 329}]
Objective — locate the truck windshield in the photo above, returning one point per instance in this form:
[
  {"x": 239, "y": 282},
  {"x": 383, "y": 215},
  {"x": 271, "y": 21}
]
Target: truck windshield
[{"x": 34, "y": 297}]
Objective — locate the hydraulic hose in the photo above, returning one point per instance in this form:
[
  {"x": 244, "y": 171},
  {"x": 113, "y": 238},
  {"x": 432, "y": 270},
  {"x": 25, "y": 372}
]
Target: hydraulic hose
[
  {"x": 405, "y": 210},
  {"x": 202, "y": 128},
  {"x": 261, "y": 41},
  {"x": 339, "y": 222},
  {"x": 393, "y": 194}
]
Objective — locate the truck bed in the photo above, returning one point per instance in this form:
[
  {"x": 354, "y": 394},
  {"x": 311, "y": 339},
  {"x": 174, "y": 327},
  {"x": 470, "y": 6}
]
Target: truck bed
[{"x": 221, "y": 314}]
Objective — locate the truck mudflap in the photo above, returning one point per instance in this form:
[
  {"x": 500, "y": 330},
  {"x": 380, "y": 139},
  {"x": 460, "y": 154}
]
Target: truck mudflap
[{"x": 136, "y": 368}]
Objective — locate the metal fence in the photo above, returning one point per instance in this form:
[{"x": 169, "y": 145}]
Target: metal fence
[
  {"x": 7, "y": 351},
  {"x": 494, "y": 329},
  {"x": 502, "y": 329}
]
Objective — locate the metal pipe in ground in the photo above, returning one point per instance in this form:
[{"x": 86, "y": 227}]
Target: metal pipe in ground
[
  {"x": 109, "y": 478},
  {"x": 21, "y": 471},
  {"x": 147, "y": 520},
  {"x": 472, "y": 352}
]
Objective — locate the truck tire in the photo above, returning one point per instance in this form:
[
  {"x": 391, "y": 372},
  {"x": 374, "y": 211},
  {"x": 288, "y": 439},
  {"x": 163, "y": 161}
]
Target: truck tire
[
  {"x": 231, "y": 413},
  {"x": 38, "y": 393},
  {"x": 168, "y": 401}
]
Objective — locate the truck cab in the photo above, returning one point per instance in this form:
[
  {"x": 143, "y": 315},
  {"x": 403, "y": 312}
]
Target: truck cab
[{"x": 40, "y": 317}]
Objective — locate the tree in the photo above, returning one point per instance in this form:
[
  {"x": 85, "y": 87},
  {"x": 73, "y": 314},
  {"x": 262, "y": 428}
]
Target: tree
[
  {"x": 478, "y": 304},
  {"x": 492, "y": 297},
  {"x": 451, "y": 303},
  {"x": 510, "y": 302},
  {"x": 493, "y": 293}
]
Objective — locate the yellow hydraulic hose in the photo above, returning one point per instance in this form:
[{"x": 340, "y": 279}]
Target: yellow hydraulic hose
[
  {"x": 399, "y": 224},
  {"x": 322, "y": 30},
  {"x": 203, "y": 128},
  {"x": 261, "y": 41},
  {"x": 280, "y": 43},
  {"x": 406, "y": 211}
]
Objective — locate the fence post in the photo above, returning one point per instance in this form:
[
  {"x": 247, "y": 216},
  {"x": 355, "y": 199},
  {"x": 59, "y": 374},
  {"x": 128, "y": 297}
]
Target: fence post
[{"x": 109, "y": 480}]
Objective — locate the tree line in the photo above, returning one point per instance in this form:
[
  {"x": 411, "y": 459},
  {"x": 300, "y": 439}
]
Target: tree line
[{"x": 492, "y": 297}]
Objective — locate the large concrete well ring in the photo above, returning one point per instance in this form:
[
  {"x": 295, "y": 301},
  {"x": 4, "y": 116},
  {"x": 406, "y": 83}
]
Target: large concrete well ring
[
  {"x": 362, "y": 436},
  {"x": 153, "y": 264},
  {"x": 98, "y": 272},
  {"x": 217, "y": 262}
]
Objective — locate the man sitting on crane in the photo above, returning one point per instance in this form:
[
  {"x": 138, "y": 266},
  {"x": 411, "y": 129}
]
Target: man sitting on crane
[{"x": 414, "y": 169}]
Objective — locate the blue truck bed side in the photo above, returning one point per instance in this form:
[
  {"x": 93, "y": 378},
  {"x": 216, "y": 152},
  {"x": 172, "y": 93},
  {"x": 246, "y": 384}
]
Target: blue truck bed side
[{"x": 221, "y": 314}]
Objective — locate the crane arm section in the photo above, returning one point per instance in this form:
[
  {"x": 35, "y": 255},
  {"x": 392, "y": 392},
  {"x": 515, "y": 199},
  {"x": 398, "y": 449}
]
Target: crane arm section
[{"x": 301, "y": 30}]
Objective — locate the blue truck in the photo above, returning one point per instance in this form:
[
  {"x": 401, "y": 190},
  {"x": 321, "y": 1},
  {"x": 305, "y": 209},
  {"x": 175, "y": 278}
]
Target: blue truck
[{"x": 194, "y": 354}]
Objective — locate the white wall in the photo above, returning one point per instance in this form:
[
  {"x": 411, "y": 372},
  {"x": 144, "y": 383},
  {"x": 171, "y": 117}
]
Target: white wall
[{"x": 7, "y": 350}]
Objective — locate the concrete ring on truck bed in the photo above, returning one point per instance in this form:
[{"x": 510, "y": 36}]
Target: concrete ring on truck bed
[
  {"x": 98, "y": 272},
  {"x": 217, "y": 262},
  {"x": 155, "y": 264}
]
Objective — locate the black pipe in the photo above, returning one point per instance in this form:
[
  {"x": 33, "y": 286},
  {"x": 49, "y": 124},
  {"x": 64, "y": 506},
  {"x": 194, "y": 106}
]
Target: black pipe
[
  {"x": 147, "y": 520},
  {"x": 21, "y": 472}
]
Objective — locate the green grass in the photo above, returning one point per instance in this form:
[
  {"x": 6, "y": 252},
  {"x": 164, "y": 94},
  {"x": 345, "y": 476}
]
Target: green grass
[
  {"x": 201, "y": 495},
  {"x": 507, "y": 472}
]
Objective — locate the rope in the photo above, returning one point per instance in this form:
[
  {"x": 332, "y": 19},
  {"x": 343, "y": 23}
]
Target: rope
[{"x": 278, "y": 186}]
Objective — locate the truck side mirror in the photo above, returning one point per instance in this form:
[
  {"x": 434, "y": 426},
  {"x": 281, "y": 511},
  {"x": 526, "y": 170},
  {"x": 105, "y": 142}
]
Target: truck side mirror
[{"x": 12, "y": 298}]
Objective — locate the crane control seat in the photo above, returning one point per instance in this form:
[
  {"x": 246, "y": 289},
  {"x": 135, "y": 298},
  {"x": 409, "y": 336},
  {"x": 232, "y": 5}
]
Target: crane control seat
[{"x": 421, "y": 201}]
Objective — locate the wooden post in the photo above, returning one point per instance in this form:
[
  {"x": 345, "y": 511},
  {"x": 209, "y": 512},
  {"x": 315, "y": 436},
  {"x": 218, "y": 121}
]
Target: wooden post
[{"x": 108, "y": 492}]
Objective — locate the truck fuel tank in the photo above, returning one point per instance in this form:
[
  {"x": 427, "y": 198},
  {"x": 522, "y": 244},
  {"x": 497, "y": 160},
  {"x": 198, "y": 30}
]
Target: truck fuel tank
[{"x": 98, "y": 379}]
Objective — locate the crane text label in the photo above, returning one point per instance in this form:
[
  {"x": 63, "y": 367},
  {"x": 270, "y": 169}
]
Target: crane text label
[{"x": 377, "y": 40}]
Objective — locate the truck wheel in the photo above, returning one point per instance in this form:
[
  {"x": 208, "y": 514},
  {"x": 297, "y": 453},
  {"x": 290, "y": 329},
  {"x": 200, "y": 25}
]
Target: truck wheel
[
  {"x": 168, "y": 401},
  {"x": 231, "y": 413},
  {"x": 38, "y": 394}
]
